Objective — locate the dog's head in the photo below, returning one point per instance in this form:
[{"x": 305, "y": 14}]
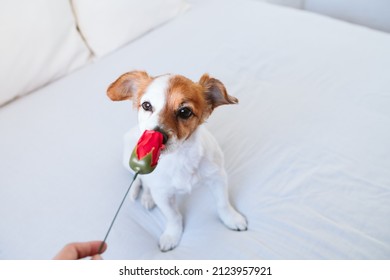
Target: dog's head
[{"x": 171, "y": 104}]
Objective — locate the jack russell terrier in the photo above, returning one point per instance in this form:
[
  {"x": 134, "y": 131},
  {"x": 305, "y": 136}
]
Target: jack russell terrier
[{"x": 177, "y": 107}]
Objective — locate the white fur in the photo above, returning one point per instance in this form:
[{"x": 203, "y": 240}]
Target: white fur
[
  {"x": 195, "y": 161},
  {"x": 155, "y": 94}
]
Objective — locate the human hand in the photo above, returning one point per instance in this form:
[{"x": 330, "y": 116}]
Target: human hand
[{"x": 79, "y": 250}]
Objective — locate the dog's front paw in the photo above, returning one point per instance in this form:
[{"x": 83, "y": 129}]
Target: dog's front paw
[
  {"x": 147, "y": 201},
  {"x": 233, "y": 220},
  {"x": 169, "y": 240}
]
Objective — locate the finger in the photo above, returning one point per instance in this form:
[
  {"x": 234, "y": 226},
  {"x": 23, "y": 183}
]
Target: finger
[
  {"x": 95, "y": 247},
  {"x": 75, "y": 251},
  {"x": 96, "y": 257}
]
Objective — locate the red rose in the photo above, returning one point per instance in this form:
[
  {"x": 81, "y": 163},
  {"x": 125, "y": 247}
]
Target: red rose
[{"x": 147, "y": 152}]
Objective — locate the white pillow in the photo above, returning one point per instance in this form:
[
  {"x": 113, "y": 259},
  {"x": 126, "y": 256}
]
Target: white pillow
[
  {"x": 39, "y": 43},
  {"x": 109, "y": 24}
]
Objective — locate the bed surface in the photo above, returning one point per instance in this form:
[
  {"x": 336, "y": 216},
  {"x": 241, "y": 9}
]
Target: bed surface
[{"x": 306, "y": 150}]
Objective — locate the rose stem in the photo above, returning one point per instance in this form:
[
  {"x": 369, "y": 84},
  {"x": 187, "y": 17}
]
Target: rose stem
[{"x": 113, "y": 220}]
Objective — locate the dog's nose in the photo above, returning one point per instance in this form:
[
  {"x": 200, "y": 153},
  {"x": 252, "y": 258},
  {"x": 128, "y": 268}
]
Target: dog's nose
[{"x": 164, "y": 134}]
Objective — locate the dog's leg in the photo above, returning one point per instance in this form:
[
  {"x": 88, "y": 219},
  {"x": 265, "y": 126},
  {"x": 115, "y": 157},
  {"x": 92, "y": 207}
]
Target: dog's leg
[
  {"x": 229, "y": 216},
  {"x": 135, "y": 188},
  {"x": 174, "y": 222},
  {"x": 146, "y": 197}
]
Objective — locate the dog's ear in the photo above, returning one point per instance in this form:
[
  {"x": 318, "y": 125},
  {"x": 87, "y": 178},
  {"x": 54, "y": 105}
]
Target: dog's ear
[
  {"x": 215, "y": 92},
  {"x": 128, "y": 85}
]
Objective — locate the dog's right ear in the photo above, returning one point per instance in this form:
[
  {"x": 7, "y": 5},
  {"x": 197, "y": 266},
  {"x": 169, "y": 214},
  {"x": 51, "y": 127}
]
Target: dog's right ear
[{"x": 128, "y": 85}]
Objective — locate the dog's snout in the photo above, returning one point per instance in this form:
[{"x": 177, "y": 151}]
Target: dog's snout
[{"x": 165, "y": 135}]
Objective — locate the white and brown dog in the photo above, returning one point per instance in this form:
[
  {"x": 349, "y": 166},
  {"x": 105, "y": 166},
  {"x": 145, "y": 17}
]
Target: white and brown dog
[{"x": 177, "y": 107}]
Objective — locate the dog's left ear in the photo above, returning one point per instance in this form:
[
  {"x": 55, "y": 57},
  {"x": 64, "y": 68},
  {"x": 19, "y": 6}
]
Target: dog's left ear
[{"x": 215, "y": 92}]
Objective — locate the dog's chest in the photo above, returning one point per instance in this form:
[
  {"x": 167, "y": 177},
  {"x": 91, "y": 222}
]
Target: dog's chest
[{"x": 182, "y": 168}]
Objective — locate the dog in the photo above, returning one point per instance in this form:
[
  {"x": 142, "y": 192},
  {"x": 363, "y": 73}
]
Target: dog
[{"x": 177, "y": 107}]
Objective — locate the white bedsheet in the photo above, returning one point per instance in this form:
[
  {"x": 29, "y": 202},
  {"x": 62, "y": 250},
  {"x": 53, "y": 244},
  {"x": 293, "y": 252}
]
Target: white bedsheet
[{"x": 307, "y": 149}]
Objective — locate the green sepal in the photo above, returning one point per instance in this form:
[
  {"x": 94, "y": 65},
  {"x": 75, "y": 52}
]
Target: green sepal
[{"x": 142, "y": 166}]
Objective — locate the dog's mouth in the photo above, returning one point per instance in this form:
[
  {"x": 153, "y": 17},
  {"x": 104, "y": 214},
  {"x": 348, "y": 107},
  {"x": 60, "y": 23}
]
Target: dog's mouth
[
  {"x": 164, "y": 134},
  {"x": 165, "y": 138}
]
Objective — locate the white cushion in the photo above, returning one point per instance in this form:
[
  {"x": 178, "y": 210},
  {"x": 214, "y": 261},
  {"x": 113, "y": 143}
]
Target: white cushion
[
  {"x": 39, "y": 43},
  {"x": 108, "y": 24}
]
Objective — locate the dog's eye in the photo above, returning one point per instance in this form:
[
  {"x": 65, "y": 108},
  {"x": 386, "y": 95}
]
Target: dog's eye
[
  {"x": 184, "y": 113},
  {"x": 147, "y": 106}
]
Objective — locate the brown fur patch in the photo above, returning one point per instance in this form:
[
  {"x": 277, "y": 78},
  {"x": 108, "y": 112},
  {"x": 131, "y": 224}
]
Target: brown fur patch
[{"x": 181, "y": 93}]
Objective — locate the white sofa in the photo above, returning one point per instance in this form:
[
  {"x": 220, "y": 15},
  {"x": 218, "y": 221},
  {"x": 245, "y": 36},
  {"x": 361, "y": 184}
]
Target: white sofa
[
  {"x": 43, "y": 40},
  {"x": 306, "y": 149}
]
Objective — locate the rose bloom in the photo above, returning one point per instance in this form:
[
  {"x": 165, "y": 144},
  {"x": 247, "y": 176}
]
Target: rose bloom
[{"x": 146, "y": 153}]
